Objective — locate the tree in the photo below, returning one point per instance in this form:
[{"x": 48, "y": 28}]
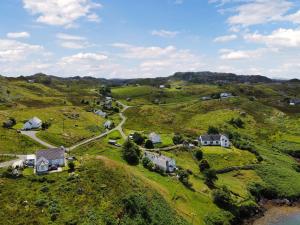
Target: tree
[
  {"x": 147, "y": 163},
  {"x": 212, "y": 130},
  {"x": 222, "y": 198},
  {"x": 9, "y": 123},
  {"x": 238, "y": 122},
  {"x": 46, "y": 125},
  {"x": 210, "y": 177},
  {"x": 138, "y": 138},
  {"x": 184, "y": 178},
  {"x": 131, "y": 152},
  {"x": 199, "y": 154},
  {"x": 71, "y": 166},
  {"x": 204, "y": 165},
  {"x": 149, "y": 144},
  {"x": 104, "y": 90},
  {"x": 177, "y": 139}
]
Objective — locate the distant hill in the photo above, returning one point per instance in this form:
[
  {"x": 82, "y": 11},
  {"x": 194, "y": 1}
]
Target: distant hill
[{"x": 193, "y": 77}]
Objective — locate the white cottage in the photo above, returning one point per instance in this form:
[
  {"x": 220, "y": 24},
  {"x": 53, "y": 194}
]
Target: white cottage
[
  {"x": 164, "y": 163},
  {"x": 51, "y": 157},
  {"x": 33, "y": 123},
  {"x": 100, "y": 113},
  {"x": 155, "y": 138},
  {"x": 214, "y": 140}
]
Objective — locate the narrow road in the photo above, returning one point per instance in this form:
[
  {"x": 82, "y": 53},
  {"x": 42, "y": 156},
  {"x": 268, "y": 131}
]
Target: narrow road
[
  {"x": 32, "y": 135},
  {"x": 119, "y": 128},
  {"x": 11, "y": 162}
]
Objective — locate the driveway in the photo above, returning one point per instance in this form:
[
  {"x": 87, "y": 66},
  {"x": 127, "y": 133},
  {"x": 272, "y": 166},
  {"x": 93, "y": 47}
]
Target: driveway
[{"x": 32, "y": 135}]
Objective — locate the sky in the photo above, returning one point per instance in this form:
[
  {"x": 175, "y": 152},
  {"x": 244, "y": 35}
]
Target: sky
[{"x": 149, "y": 38}]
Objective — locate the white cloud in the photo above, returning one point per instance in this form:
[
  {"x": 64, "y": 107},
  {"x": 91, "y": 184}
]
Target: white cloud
[
  {"x": 225, "y": 38},
  {"x": 141, "y": 52},
  {"x": 84, "y": 58},
  {"x": 69, "y": 37},
  {"x": 61, "y": 12},
  {"x": 278, "y": 38},
  {"x": 18, "y": 35},
  {"x": 164, "y": 33},
  {"x": 11, "y": 50},
  {"x": 72, "y": 41},
  {"x": 229, "y": 54},
  {"x": 259, "y": 12}
]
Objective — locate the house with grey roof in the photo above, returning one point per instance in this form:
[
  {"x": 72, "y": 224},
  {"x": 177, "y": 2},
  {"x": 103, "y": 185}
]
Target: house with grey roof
[
  {"x": 164, "y": 163},
  {"x": 45, "y": 159},
  {"x": 226, "y": 95},
  {"x": 100, "y": 113},
  {"x": 295, "y": 101},
  {"x": 34, "y": 123},
  {"x": 214, "y": 140}
]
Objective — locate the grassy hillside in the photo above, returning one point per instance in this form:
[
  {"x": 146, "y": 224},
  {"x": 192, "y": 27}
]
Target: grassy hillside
[{"x": 99, "y": 192}]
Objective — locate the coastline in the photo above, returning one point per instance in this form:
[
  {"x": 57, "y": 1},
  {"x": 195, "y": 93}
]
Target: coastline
[{"x": 273, "y": 210}]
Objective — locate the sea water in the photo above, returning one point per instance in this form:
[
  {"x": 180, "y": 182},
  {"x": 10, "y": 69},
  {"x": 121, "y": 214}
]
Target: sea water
[{"x": 292, "y": 219}]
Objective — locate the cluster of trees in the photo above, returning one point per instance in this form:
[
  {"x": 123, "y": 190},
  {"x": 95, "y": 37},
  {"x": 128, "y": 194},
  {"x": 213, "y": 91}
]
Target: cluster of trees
[
  {"x": 105, "y": 90},
  {"x": 184, "y": 178},
  {"x": 9, "y": 123},
  {"x": 238, "y": 122},
  {"x": 46, "y": 125},
  {"x": 140, "y": 140},
  {"x": 131, "y": 152},
  {"x": 213, "y": 130}
]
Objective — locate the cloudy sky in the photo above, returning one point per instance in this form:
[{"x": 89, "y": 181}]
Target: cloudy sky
[{"x": 149, "y": 38}]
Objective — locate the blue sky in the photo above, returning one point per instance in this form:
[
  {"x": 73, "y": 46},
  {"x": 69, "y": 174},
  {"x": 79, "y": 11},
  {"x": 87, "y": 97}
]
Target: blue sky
[{"x": 149, "y": 38}]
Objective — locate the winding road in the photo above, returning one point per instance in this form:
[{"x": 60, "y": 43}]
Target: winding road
[{"x": 11, "y": 162}]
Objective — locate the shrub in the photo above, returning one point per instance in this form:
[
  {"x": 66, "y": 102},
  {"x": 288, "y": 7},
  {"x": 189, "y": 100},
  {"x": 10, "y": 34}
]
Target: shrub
[
  {"x": 148, "y": 164},
  {"x": 9, "y": 123},
  {"x": 210, "y": 177},
  {"x": 149, "y": 144},
  {"x": 41, "y": 203},
  {"x": 177, "y": 139},
  {"x": 138, "y": 138},
  {"x": 219, "y": 218},
  {"x": 71, "y": 166},
  {"x": 199, "y": 154},
  {"x": 222, "y": 198},
  {"x": 184, "y": 178},
  {"x": 131, "y": 152},
  {"x": 46, "y": 125},
  {"x": 238, "y": 122},
  {"x": 212, "y": 130},
  {"x": 204, "y": 165}
]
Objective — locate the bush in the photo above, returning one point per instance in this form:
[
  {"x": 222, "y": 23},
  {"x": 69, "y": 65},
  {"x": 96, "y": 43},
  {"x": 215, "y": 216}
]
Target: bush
[
  {"x": 41, "y": 203},
  {"x": 204, "y": 165},
  {"x": 219, "y": 218},
  {"x": 199, "y": 154},
  {"x": 71, "y": 166},
  {"x": 184, "y": 178},
  {"x": 238, "y": 122},
  {"x": 149, "y": 144},
  {"x": 222, "y": 198},
  {"x": 9, "y": 123},
  {"x": 212, "y": 130},
  {"x": 210, "y": 177},
  {"x": 148, "y": 164},
  {"x": 46, "y": 125},
  {"x": 177, "y": 139},
  {"x": 138, "y": 138},
  {"x": 131, "y": 152}
]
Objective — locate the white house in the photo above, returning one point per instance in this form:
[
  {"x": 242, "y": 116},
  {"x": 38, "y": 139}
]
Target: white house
[
  {"x": 294, "y": 102},
  {"x": 164, "y": 163},
  {"x": 162, "y": 86},
  {"x": 100, "y": 113},
  {"x": 214, "y": 140},
  {"x": 51, "y": 157},
  {"x": 226, "y": 95},
  {"x": 33, "y": 123},
  {"x": 155, "y": 138},
  {"x": 108, "y": 124}
]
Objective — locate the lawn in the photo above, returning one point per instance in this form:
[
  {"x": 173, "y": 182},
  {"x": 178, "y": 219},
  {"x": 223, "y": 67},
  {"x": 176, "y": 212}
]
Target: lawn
[{"x": 69, "y": 124}]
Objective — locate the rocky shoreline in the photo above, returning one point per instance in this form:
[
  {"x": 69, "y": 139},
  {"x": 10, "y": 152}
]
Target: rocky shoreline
[{"x": 271, "y": 210}]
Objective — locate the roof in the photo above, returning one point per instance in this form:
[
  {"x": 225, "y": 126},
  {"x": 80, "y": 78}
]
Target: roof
[
  {"x": 35, "y": 120},
  {"x": 295, "y": 101},
  {"x": 211, "y": 137},
  {"x": 153, "y": 134},
  {"x": 51, "y": 154},
  {"x": 157, "y": 159}
]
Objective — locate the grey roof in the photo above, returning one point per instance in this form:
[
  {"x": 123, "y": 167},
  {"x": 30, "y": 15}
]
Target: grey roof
[
  {"x": 51, "y": 154},
  {"x": 211, "y": 137},
  {"x": 295, "y": 101}
]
